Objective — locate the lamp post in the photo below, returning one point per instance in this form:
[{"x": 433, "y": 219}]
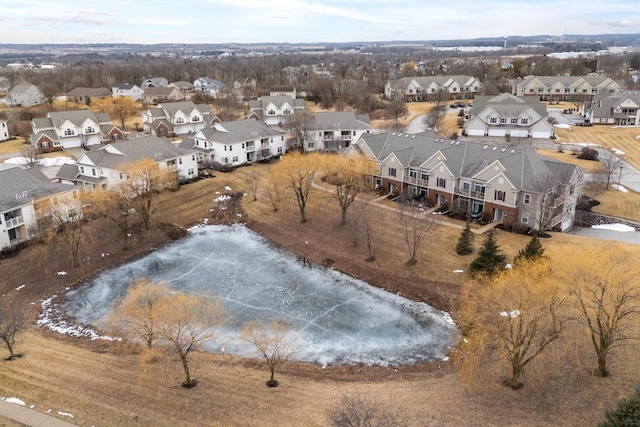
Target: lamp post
[{"x": 619, "y": 178}]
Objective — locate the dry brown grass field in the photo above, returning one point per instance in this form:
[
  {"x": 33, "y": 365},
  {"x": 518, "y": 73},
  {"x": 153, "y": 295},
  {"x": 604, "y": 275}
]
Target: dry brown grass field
[{"x": 104, "y": 384}]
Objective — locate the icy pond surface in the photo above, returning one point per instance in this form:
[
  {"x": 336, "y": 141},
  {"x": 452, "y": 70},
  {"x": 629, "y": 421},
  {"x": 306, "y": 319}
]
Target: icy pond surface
[{"x": 337, "y": 319}]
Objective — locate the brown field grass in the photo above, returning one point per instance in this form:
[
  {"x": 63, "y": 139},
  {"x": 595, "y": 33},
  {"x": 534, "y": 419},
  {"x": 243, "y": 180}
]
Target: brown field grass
[
  {"x": 105, "y": 384},
  {"x": 569, "y": 157},
  {"x": 621, "y": 138},
  {"x": 12, "y": 146}
]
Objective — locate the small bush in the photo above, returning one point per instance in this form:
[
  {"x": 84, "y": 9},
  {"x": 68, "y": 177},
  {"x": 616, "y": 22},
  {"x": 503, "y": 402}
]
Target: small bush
[
  {"x": 588, "y": 154},
  {"x": 519, "y": 228}
]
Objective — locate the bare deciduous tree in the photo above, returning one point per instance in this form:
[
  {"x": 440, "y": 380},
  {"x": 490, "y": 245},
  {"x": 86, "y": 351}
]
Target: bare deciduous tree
[
  {"x": 185, "y": 322},
  {"x": 137, "y": 314},
  {"x": 608, "y": 301},
  {"x": 274, "y": 343},
  {"x": 121, "y": 108},
  {"x": 433, "y": 119},
  {"x": 297, "y": 172},
  {"x": 357, "y": 411},
  {"x": 413, "y": 228},
  {"x": 395, "y": 110},
  {"x": 64, "y": 218},
  {"x": 299, "y": 124},
  {"x": 348, "y": 176},
  {"x": 611, "y": 164},
  {"x": 13, "y": 320},
  {"x": 254, "y": 178}
]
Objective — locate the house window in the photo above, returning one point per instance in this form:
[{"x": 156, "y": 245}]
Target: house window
[
  {"x": 279, "y": 150},
  {"x": 310, "y": 144},
  {"x": 525, "y": 218},
  {"x": 466, "y": 186},
  {"x": 354, "y": 133},
  {"x": 179, "y": 120},
  {"x": 193, "y": 157},
  {"x": 392, "y": 171},
  {"x": 503, "y": 120},
  {"x": 286, "y": 112},
  {"x": 524, "y": 121},
  {"x": 493, "y": 120},
  {"x": 82, "y": 169},
  {"x": 243, "y": 145},
  {"x": 231, "y": 148},
  {"x": 93, "y": 171},
  {"x": 271, "y": 112},
  {"x": 423, "y": 175},
  {"x": 45, "y": 144},
  {"x": 90, "y": 129},
  {"x": 225, "y": 148},
  {"x": 413, "y": 173},
  {"x": 234, "y": 159},
  {"x": 69, "y": 132},
  {"x": 195, "y": 119},
  {"x": 180, "y": 161},
  {"x": 527, "y": 199},
  {"x": 441, "y": 182},
  {"x": 190, "y": 171},
  {"x": 514, "y": 121},
  {"x": 500, "y": 195}
]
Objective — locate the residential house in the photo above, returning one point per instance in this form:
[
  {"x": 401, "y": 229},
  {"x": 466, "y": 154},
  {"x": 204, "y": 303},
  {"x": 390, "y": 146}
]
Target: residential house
[
  {"x": 245, "y": 84},
  {"x": 427, "y": 88},
  {"x": 87, "y": 95},
  {"x": 27, "y": 196},
  {"x": 510, "y": 185},
  {"x": 237, "y": 142},
  {"x": 101, "y": 167},
  {"x": 618, "y": 108},
  {"x": 154, "y": 82},
  {"x": 284, "y": 91},
  {"x": 126, "y": 89},
  {"x": 509, "y": 116},
  {"x": 155, "y": 95},
  {"x": 564, "y": 88},
  {"x": 184, "y": 87},
  {"x": 61, "y": 130},
  {"x": 175, "y": 118},
  {"x": 4, "y": 130},
  {"x": 5, "y": 85},
  {"x": 335, "y": 131},
  {"x": 209, "y": 86},
  {"x": 25, "y": 95},
  {"x": 272, "y": 110}
]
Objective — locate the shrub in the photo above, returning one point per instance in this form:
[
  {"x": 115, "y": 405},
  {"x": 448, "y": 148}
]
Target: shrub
[
  {"x": 626, "y": 413},
  {"x": 519, "y": 228},
  {"x": 588, "y": 154}
]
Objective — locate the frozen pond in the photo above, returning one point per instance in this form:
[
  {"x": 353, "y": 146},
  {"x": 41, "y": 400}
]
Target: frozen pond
[{"x": 338, "y": 320}]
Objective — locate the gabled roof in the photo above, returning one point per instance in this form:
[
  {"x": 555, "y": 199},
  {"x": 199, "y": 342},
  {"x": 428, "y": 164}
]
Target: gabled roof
[
  {"x": 185, "y": 107},
  {"x": 129, "y": 151},
  {"x": 466, "y": 160},
  {"x": 20, "y": 187},
  {"x": 68, "y": 171},
  {"x": 124, "y": 86},
  {"x": 160, "y": 91},
  {"x": 22, "y": 88},
  {"x": 566, "y": 81},
  {"x": 77, "y": 117},
  {"x": 508, "y": 105},
  {"x": 278, "y": 101},
  {"x": 603, "y": 105},
  {"x": 238, "y": 131},
  {"x": 346, "y": 120},
  {"x": 89, "y": 91},
  {"x": 424, "y": 81}
]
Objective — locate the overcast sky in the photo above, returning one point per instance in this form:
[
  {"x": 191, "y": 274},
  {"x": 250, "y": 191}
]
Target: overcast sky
[{"x": 247, "y": 21}]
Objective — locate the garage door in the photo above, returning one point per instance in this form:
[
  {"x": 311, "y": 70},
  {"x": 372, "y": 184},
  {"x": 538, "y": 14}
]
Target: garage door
[
  {"x": 520, "y": 133},
  {"x": 475, "y": 132},
  {"x": 496, "y": 132},
  {"x": 540, "y": 134}
]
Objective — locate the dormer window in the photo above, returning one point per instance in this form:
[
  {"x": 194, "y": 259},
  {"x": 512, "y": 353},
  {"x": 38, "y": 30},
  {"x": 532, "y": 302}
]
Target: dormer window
[
  {"x": 271, "y": 112},
  {"x": 69, "y": 132},
  {"x": 195, "y": 119},
  {"x": 493, "y": 120},
  {"x": 90, "y": 129},
  {"x": 179, "y": 120},
  {"x": 286, "y": 112}
]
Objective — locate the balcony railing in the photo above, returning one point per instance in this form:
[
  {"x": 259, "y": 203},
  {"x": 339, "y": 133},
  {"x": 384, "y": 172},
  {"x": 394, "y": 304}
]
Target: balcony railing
[
  {"x": 555, "y": 220},
  {"x": 14, "y": 222},
  {"x": 469, "y": 193},
  {"x": 416, "y": 181},
  {"x": 557, "y": 201}
]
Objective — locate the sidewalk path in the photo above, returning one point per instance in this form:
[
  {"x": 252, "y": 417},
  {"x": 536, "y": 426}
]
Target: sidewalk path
[{"x": 30, "y": 417}]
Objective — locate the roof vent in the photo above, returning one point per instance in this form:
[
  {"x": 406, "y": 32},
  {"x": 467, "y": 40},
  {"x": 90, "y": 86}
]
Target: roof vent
[
  {"x": 485, "y": 147},
  {"x": 503, "y": 150},
  {"x": 400, "y": 134},
  {"x": 494, "y": 148},
  {"x": 457, "y": 142},
  {"x": 413, "y": 137},
  {"x": 513, "y": 151},
  {"x": 393, "y": 134},
  {"x": 406, "y": 135}
]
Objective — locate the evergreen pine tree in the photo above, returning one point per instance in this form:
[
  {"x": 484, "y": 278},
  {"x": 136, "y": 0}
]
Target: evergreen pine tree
[
  {"x": 465, "y": 242},
  {"x": 531, "y": 252},
  {"x": 490, "y": 259},
  {"x": 626, "y": 413}
]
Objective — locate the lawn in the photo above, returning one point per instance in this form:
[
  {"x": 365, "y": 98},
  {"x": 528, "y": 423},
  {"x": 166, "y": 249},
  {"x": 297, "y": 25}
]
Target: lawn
[{"x": 621, "y": 138}]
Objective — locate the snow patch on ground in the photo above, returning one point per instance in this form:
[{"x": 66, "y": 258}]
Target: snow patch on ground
[
  {"x": 53, "y": 161},
  {"x": 614, "y": 227},
  {"x": 222, "y": 198},
  {"x": 563, "y": 126},
  {"x": 13, "y": 400},
  {"x": 458, "y": 271},
  {"x": 20, "y": 287},
  {"x": 228, "y": 188},
  {"x": 61, "y": 273},
  {"x": 511, "y": 314},
  {"x": 65, "y": 414},
  {"x": 620, "y": 188},
  {"x": 49, "y": 318}
]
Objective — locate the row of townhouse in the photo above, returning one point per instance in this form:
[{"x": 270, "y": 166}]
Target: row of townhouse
[
  {"x": 510, "y": 185},
  {"x": 506, "y": 115},
  {"x": 101, "y": 167},
  {"x": 565, "y": 88},
  {"x": 619, "y": 109},
  {"x": 428, "y": 88},
  {"x": 176, "y": 118},
  {"x": 27, "y": 198},
  {"x": 61, "y": 130},
  {"x": 273, "y": 110},
  {"x": 335, "y": 131}
]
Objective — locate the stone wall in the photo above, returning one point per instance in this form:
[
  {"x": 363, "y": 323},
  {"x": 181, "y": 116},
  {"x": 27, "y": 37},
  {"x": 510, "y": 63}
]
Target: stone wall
[{"x": 587, "y": 219}]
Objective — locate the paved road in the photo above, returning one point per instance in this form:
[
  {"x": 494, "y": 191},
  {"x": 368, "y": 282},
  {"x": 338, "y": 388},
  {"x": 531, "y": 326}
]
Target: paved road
[
  {"x": 29, "y": 417},
  {"x": 619, "y": 236}
]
